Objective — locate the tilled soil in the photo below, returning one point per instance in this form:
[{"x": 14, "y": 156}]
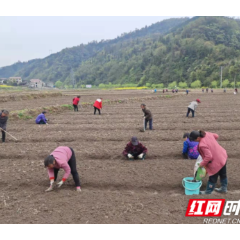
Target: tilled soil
[{"x": 114, "y": 190}]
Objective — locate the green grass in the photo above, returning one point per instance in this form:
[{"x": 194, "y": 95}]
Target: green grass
[{"x": 70, "y": 107}]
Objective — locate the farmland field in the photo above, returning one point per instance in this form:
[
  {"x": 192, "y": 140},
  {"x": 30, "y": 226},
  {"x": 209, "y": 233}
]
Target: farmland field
[{"x": 114, "y": 190}]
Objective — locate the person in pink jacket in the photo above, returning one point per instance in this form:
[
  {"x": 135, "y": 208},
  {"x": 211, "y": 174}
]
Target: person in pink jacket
[
  {"x": 214, "y": 159},
  {"x": 62, "y": 157}
]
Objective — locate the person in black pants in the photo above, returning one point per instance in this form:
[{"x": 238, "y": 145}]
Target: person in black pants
[
  {"x": 62, "y": 157},
  {"x": 3, "y": 123},
  {"x": 72, "y": 165},
  {"x": 99, "y": 111}
]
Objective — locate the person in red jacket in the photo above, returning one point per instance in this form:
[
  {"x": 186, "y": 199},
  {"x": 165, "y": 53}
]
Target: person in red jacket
[
  {"x": 75, "y": 103},
  {"x": 97, "y": 106},
  {"x": 214, "y": 159}
]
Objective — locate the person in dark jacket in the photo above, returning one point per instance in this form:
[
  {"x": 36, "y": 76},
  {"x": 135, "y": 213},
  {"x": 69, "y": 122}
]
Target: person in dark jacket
[
  {"x": 189, "y": 148},
  {"x": 3, "y": 123},
  {"x": 147, "y": 116},
  {"x": 135, "y": 150}
]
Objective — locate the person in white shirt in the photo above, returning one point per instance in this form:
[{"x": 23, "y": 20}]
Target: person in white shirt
[{"x": 192, "y": 107}]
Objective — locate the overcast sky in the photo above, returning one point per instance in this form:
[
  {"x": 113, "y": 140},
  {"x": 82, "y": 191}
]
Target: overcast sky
[{"x": 26, "y": 38}]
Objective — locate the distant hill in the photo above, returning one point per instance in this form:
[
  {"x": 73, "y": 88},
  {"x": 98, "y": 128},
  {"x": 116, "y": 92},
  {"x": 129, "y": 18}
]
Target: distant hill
[
  {"x": 57, "y": 66},
  {"x": 181, "y": 50}
]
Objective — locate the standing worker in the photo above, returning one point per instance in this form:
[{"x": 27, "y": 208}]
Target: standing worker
[
  {"x": 62, "y": 157},
  {"x": 147, "y": 116},
  {"x": 41, "y": 119},
  {"x": 206, "y": 90},
  {"x": 203, "y": 90},
  {"x": 135, "y": 150},
  {"x": 187, "y": 91},
  {"x": 97, "y": 106},
  {"x": 75, "y": 103},
  {"x": 3, "y": 123},
  {"x": 224, "y": 90},
  {"x": 214, "y": 159},
  {"x": 211, "y": 90},
  {"x": 192, "y": 107}
]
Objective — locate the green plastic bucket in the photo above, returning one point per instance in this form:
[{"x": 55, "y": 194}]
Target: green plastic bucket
[{"x": 191, "y": 187}]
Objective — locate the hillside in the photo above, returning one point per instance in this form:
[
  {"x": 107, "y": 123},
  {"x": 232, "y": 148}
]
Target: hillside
[
  {"x": 193, "y": 51},
  {"x": 57, "y": 66}
]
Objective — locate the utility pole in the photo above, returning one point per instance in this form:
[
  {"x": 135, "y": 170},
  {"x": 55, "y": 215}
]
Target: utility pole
[{"x": 221, "y": 76}]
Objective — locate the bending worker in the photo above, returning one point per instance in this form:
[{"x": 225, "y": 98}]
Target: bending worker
[
  {"x": 147, "y": 116},
  {"x": 192, "y": 107},
  {"x": 3, "y": 123},
  {"x": 135, "y": 150},
  {"x": 62, "y": 157},
  {"x": 98, "y": 106},
  {"x": 75, "y": 103},
  {"x": 189, "y": 148},
  {"x": 214, "y": 159},
  {"x": 41, "y": 119}
]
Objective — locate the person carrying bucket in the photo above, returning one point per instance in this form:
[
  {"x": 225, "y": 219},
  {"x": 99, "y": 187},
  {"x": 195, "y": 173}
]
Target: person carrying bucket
[
  {"x": 135, "y": 150},
  {"x": 192, "y": 107},
  {"x": 62, "y": 157},
  {"x": 189, "y": 148},
  {"x": 98, "y": 106},
  {"x": 3, "y": 123},
  {"x": 214, "y": 159}
]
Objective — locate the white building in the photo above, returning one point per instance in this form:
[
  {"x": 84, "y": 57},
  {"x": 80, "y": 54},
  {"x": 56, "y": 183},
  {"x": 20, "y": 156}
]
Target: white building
[{"x": 37, "y": 83}]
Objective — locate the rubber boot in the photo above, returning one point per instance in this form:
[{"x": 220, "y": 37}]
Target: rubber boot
[
  {"x": 223, "y": 188},
  {"x": 210, "y": 187}
]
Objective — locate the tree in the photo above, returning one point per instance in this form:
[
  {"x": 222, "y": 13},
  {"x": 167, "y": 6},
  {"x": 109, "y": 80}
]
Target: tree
[
  {"x": 172, "y": 85},
  {"x": 148, "y": 84},
  {"x": 214, "y": 84},
  {"x": 196, "y": 84},
  {"x": 225, "y": 83},
  {"x": 182, "y": 84},
  {"x": 58, "y": 84},
  {"x": 160, "y": 85},
  {"x": 101, "y": 85}
]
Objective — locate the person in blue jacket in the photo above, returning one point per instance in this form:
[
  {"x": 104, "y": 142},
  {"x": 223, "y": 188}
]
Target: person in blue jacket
[
  {"x": 41, "y": 119},
  {"x": 190, "y": 149}
]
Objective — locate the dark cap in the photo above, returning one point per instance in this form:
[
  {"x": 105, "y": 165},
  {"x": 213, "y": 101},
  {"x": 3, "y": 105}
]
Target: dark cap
[
  {"x": 186, "y": 135},
  {"x": 194, "y": 135},
  {"x": 44, "y": 112},
  {"x": 134, "y": 141}
]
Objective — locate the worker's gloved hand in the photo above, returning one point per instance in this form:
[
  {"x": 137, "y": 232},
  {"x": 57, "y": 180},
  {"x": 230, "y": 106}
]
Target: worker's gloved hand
[
  {"x": 130, "y": 155},
  {"x": 49, "y": 189},
  {"x": 140, "y": 156},
  {"x": 79, "y": 189},
  {"x": 60, "y": 184}
]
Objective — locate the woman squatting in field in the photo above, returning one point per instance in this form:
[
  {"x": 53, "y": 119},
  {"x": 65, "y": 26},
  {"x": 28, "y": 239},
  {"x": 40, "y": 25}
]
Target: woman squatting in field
[
  {"x": 214, "y": 159},
  {"x": 135, "y": 150},
  {"x": 189, "y": 148},
  {"x": 3, "y": 123},
  {"x": 41, "y": 119},
  {"x": 97, "y": 106},
  {"x": 62, "y": 157}
]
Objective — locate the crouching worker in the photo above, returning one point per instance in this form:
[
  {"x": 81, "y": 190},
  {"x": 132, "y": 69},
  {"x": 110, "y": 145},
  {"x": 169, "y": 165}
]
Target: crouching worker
[
  {"x": 41, "y": 119},
  {"x": 190, "y": 149},
  {"x": 62, "y": 157},
  {"x": 3, "y": 123},
  {"x": 214, "y": 159},
  {"x": 135, "y": 150}
]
